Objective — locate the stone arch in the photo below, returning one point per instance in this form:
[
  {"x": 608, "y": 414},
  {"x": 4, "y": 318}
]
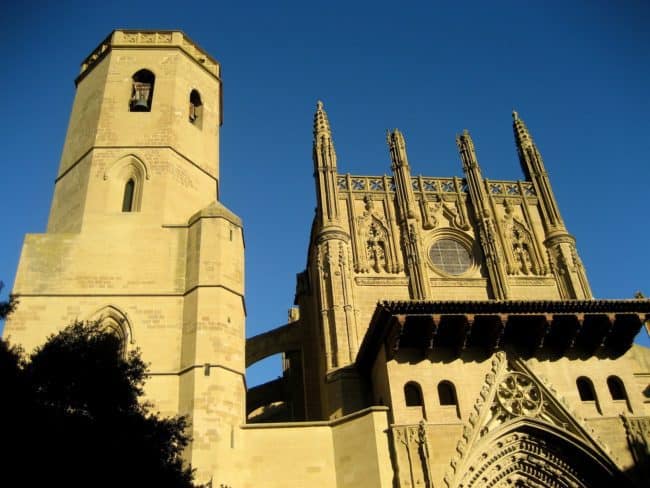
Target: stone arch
[
  {"x": 195, "y": 113},
  {"x": 119, "y": 174},
  {"x": 116, "y": 321},
  {"x": 282, "y": 339},
  {"x": 142, "y": 87},
  {"x": 532, "y": 453}
]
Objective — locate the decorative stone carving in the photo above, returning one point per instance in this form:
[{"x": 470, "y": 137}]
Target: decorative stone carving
[
  {"x": 519, "y": 395},
  {"x": 523, "y": 255},
  {"x": 375, "y": 250},
  {"x": 456, "y": 215},
  {"x": 516, "y": 409},
  {"x": 412, "y": 456},
  {"x": 637, "y": 430}
]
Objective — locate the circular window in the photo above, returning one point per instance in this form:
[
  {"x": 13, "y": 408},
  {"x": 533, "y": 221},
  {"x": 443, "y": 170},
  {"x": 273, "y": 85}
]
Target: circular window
[{"x": 450, "y": 256}]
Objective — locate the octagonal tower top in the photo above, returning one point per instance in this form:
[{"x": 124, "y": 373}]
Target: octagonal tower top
[{"x": 125, "y": 39}]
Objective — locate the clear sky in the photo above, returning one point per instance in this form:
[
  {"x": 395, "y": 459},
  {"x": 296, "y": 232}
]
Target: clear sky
[{"x": 578, "y": 72}]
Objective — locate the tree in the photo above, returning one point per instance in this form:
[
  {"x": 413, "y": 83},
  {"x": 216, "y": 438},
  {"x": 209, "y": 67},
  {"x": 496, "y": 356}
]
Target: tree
[
  {"x": 6, "y": 307},
  {"x": 74, "y": 416}
]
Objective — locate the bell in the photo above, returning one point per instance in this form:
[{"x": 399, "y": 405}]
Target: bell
[{"x": 140, "y": 105}]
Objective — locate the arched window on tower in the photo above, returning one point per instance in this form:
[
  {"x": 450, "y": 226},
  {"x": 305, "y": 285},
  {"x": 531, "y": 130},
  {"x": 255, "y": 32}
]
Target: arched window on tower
[
  {"x": 196, "y": 109},
  {"x": 588, "y": 395},
  {"x": 413, "y": 397},
  {"x": 126, "y": 180},
  {"x": 448, "y": 400},
  {"x": 142, "y": 91},
  {"x": 586, "y": 389},
  {"x": 413, "y": 394},
  {"x": 447, "y": 393},
  {"x": 129, "y": 195},
  {"x": 616, "y": 388}
]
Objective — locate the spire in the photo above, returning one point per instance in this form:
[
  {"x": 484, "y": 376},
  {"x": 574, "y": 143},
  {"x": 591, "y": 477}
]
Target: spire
[
  {"x": 402, "y": 173},
  {"x": 467, "y": 152},
  {"x": 488, "y": 233},
  {"x": 321, "y": 124},
  {"x": 407, "y": 217},
  {"x": 564, "y": 260},
  {"x": 397, "y": 147},
  {"x": 534, "y": 170},
  {"x": 325, "y": 168},
  {"x": 523, "y": 138}
]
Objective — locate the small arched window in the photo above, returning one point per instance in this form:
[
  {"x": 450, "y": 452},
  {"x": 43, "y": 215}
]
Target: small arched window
[
  {"x": 196, "y": 109},
  {"x": 142, "y": 91},
  {"x": 413, "y": 394},
  {"x": 447, "y": 393},
  {"x": 586, "y": 389},
  {"x": 616, "y": 388},
  {"x": 129, "y": 195}
]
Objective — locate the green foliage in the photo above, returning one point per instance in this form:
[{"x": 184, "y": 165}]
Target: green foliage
[
  {"x": 7, "y": 307},
  {"x": 74, "y": 417}
]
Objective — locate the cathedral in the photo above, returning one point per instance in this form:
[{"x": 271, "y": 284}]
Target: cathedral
[{"x": 444, "y": 332}]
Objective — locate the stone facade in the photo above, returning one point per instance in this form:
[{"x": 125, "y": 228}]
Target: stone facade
[{"x": 445, "y": 332}]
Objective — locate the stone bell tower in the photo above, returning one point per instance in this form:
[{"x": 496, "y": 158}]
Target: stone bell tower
[{"x": 138, "y": 239}]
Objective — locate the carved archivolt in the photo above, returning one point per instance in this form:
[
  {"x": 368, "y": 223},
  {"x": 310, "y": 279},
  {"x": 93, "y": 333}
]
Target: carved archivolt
[
  {"x": 532, "y": 457},
  {"x": 520, "y": 434}
]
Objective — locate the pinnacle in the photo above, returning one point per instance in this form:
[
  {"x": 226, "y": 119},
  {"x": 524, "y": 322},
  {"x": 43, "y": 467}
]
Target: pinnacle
[
  {"x": 521, "y": 131},
  {"x": 321, "y": 124},
  {"x": 395, "y": 136}
]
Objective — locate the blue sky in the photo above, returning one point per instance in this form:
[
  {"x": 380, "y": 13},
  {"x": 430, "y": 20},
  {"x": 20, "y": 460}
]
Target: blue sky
[{"x": 578, "y": 73}]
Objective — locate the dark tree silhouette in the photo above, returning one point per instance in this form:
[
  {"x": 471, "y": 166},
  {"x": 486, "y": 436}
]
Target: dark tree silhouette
[
  {"x": 73, "y": 416},
  {"x": 6, "y": 307}
]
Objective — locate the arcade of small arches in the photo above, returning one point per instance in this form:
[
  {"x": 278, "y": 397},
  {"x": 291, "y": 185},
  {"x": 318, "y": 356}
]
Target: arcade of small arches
[
  {"x": 615, "y": 386},
  {"x": 447, "y": 397}
]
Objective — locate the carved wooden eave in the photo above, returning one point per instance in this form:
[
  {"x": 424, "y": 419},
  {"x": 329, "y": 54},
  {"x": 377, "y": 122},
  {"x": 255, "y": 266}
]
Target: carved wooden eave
[{"x": 555, "y": 327}]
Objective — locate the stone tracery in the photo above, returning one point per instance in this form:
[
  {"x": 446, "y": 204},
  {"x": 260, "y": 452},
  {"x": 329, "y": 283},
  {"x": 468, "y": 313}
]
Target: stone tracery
[{"x": 376, "y": 253}]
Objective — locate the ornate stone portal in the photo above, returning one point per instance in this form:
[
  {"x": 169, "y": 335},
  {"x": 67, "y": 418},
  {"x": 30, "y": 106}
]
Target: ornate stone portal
[{"x": 521, "y": 434}]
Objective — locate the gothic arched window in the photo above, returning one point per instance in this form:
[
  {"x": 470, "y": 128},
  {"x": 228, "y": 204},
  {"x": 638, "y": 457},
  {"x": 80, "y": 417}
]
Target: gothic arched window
[
  {"x": 113, "y": 320},
  {"x": 413, "y": 394},
  {"x": 129, "y": 194},
  {"x": 616, "y": 388},
  {"x": 447, "y": 393},
  {"x": 196, "y": 109},
  {"x": 586, "y": 389},
  {"x": 142, "y": 91}
]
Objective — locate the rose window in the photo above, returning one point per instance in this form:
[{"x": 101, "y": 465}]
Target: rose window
[{"x": 519, "y": 395}]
